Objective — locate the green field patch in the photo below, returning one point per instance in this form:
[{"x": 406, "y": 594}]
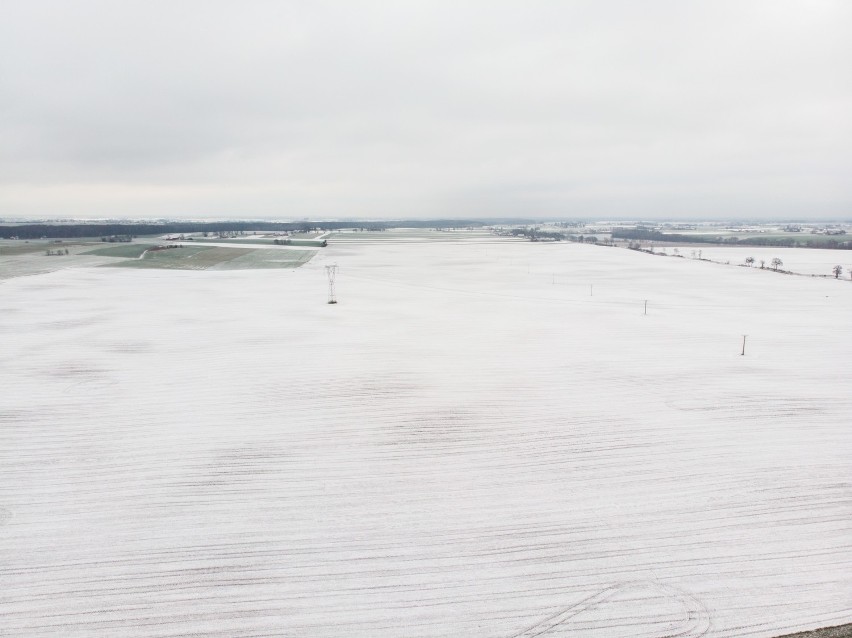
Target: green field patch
[
  {"x": 310, "y": 243},
  {"x": 184, "y": 258},
  {"x": 245, "y": 240},
  {"x": 23, "y": 249},
  {"x": 277, "y": 241},
  {"x": 200, "y": 257},
  {"x": 10, "y": 249},
  {"x": 129, "y": 251},
  {"x": 268, "y": 258}
]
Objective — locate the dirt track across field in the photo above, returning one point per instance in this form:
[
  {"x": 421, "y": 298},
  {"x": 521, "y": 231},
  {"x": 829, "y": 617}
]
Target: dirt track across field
[{"x": 840, "y": 631}]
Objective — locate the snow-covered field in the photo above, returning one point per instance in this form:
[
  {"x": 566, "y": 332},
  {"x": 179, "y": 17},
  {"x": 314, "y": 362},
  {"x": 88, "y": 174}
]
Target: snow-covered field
[
  {"x": 803, "y": 261},
  {"x": 473, "y": 442}
]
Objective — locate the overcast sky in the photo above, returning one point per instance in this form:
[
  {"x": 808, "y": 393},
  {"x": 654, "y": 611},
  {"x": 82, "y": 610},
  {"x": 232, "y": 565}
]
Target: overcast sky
[{"x": 423, "y": 109}]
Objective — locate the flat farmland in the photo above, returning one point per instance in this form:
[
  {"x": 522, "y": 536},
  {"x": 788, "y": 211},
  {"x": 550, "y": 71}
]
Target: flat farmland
[
  {"x": 479, "y": 439},
  {"x": 803, "y": 261},
  {"x": 187, "y": 257},
  {"x": 271, "y": 258},
  {"x": 127, "y": 250},
  {"x": 416, "y": 235},
  {"x": 18, "y": 259},
  {"x": 200, "y": 257},
  {"x": 21, "y": 259}
]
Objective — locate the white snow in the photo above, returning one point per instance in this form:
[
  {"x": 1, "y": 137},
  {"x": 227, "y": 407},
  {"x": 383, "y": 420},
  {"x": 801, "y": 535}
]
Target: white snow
[
  {"x": 804, "y": 261},
  {"x": 468, "y": 444}
]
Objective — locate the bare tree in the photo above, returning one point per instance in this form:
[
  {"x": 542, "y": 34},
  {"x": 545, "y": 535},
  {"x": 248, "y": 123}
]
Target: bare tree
[
  {"x": 749, "y": 261},
  {"x": 776, "y": 263}
]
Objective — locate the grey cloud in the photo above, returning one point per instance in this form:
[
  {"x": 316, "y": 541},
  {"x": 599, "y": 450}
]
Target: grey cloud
[{"x": 425, "y": 108}]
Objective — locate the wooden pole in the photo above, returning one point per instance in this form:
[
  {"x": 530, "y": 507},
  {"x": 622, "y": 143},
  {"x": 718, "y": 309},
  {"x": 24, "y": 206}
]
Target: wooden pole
[{"x": 742, "y": 354}]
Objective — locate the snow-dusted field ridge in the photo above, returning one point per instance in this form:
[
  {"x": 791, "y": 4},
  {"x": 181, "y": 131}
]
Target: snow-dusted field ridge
[{"x": 473, "y": 442}]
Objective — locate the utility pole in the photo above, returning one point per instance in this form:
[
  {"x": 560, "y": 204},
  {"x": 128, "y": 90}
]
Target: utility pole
[
  {"x": 591, "y": 290},
  {"x": 331, "y": 271},
  {"x": 646, "y": 306},
  {"x": 742, "y": 354}
]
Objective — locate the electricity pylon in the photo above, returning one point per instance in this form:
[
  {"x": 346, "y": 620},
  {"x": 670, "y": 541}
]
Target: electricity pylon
[{"x": 331, "y": 271}]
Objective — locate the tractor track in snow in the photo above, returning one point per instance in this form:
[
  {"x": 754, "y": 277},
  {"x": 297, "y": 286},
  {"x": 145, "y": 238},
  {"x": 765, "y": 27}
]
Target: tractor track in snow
[{"x": 695, "y": 624}]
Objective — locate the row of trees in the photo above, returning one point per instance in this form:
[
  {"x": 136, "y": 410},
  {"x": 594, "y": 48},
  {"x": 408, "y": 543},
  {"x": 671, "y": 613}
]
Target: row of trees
[
  {"x": 535, "y": 234},
  {"x": 776, "y": 263}
]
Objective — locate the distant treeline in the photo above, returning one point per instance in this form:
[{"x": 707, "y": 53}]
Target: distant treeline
[
  {"x": 535, "y": 234},
  {"x": 654, "y": 235},
  {"x": 55, "y": 231}
]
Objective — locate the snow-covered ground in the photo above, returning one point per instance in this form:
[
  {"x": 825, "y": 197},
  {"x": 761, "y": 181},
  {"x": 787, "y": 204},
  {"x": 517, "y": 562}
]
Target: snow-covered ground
[
  {"x": 803, "y": 261},
  {"x": 473, "y": 442}
]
